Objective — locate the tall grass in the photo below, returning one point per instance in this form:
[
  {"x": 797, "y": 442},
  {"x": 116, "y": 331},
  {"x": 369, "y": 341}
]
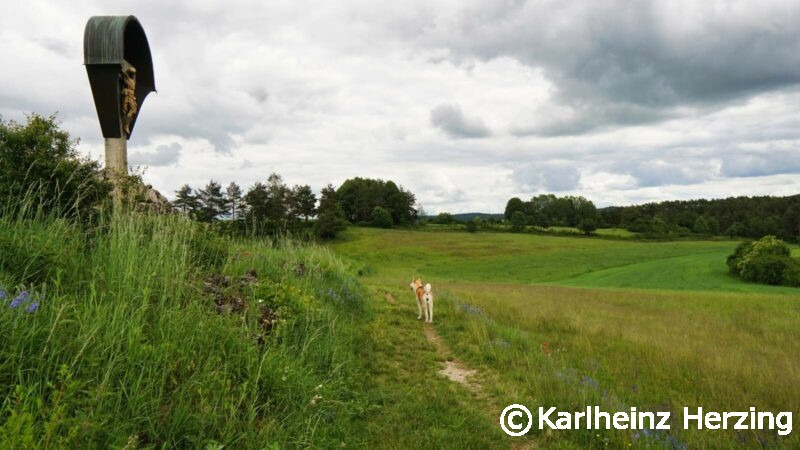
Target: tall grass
[
  {"x": 657, "y": 351},
  {"x": 127, "y": 349},
  {"x": 682, "y": 332}
]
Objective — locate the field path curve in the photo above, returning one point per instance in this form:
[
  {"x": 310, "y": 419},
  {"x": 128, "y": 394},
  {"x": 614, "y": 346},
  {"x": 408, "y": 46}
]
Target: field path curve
[{"x": 459, "y": 372}]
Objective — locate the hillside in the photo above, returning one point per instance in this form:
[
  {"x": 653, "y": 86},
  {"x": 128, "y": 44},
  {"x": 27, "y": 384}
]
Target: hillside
[{"x": 567, "y": 321}]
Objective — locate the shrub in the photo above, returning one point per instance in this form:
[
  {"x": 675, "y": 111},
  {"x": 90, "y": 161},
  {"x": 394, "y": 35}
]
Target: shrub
[
  {"x": 738, "y": 254},
  {"x": 518, "y": 221},
  {"x": 444, "y": 218},
  {"x": 791, "y": 273},
  {"x": 38, "y": 158},
  {"x": 381, "y": 217},
  {"x": 472, "y": 225},
  {"x": 765, "y": 268},
  {"x": 588, "y": 226},
  {"x": 767, "y": 260}
]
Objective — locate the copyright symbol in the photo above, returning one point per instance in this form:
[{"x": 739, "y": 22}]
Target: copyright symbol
[{"x": 512, "y": 421}]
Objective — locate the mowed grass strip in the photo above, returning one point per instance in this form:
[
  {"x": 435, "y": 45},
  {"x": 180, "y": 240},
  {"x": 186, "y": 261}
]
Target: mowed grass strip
[
  {"x": 502, "y": 257},
  {"x": 563, "y": 260},
  {"x": 700, "y": 272},
  {"x": 680, "y": 332},
  {"x": 571, "y": 347},
  {"x": 411, "y": 404}
]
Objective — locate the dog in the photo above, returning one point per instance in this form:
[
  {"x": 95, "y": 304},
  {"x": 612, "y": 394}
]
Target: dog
[{"x": 424, "y": 299}]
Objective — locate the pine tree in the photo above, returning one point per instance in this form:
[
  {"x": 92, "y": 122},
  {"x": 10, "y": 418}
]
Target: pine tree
[
  {"x": 256, "y": 199},
  {"x": 304, "y": 201},
  {"x": 330, "y": 216},
  {"x": 186, "y": 200},
  {"x": 277, "y": 196},
  {"x": 233, "y": 199},
  {"x": 212, "y": 202}
]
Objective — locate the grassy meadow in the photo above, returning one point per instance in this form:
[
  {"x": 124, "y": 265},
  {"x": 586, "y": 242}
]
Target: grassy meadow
[
  {"x": 150, "y": 332},
  {"x": 573, "y": 321},
  {"x": 154, "y": 332}
]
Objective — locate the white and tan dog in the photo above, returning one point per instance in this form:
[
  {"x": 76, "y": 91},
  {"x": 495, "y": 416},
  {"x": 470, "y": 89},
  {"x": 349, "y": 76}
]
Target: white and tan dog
[{"x": 424, "y": 299}]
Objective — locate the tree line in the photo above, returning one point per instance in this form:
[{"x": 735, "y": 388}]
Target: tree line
[
  {"x": 376, "y": 202},
  {"x": 548, "y": 210},
  {"x": 751, "y": 217},
  {"x": 271, "y": 202},
  {"x": 273, "y": 206},
  {"x": 748, "y": 217}
]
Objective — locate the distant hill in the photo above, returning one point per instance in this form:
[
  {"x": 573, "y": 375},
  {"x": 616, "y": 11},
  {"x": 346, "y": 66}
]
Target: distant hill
[{"x": 463, "y": 217}]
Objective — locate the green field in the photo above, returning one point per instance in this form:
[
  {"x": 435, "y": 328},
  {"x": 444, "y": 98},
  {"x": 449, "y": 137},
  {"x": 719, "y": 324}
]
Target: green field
[
  {"x": 573, "y": 321},
  {"x": 151, "y": 333}
]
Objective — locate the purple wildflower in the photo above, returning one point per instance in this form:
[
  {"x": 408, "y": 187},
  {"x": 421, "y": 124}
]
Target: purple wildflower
[
  {"x": 21, "y": 298},
  {"x": 2, "y": 293},
  {"x": 33, "y": 307}
]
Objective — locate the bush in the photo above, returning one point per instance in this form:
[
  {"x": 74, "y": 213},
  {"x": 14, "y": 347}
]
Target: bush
[
  {"x": 472, "y": 225},
  {"x": 518, "y": 221},
  {"x": 40, "y": 159},
  {"x": 444, "y": 218},
  {"x": 791, "y": 274},
  {"x": 767, "y": 261},
  {"x": 588, "y": 226},
  {"x": 766, "y": 268},
  {"x": 738, "y": 254},
  {"x": 381, "y": 218}
]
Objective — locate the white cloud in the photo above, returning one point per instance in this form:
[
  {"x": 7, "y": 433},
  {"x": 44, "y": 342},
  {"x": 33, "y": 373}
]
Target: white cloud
[{"x": 618, "y": 102}]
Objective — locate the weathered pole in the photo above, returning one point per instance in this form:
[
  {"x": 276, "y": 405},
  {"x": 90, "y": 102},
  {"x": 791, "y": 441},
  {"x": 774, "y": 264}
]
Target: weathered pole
[{"x": 117, "y": 156}]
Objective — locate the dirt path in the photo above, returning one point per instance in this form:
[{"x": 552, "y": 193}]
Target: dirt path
[
  {"x": 457, "y": 371},
  {"x": 452, "y": 368}
]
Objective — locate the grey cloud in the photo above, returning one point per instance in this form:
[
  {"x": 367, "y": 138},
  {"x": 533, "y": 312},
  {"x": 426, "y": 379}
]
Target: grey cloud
[
  {"x": 637, "y": 55},
  {"x": 165, "y": 155},
  {"x": 339, "y": 93},
  {"x": 451, "y": 120},
  {"x": 769, "y": 162},
  {"x": 550, "y": 176},
  {"x": 673, "y": 167},
  {"x": 590, "y": 117}
]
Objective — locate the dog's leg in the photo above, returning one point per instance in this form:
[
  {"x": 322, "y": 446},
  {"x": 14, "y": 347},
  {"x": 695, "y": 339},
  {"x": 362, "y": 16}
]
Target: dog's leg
[
  {"x": 419, "y": 306},
  {"x": 430, "y": 312}
]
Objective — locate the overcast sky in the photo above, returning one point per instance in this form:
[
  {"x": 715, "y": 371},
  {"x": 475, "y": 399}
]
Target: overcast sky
[{"x": 465, "y": 103}]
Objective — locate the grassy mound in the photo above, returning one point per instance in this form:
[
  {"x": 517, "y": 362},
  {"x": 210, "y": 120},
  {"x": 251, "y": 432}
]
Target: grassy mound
[{"x": 150, "y": 333}]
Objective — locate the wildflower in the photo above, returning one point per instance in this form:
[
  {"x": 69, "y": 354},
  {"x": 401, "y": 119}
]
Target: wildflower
[
  {"x": 318, "y": 387},
  {"x": 21, "y": 298},
  {"x": 33, "y": 307},
  {"x": 315, "y": 399},
  {"x": 2, "y": 293}
]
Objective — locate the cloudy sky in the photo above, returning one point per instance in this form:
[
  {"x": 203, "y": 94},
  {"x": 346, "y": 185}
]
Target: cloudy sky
[{"x": 465, "y": 103}]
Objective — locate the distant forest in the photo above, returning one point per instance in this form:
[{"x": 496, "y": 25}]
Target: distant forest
[{"x": 751, "y": 217}]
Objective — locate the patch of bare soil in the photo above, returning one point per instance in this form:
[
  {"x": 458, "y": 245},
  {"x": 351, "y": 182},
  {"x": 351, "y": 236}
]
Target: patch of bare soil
[{"x": 454, "y": 369}]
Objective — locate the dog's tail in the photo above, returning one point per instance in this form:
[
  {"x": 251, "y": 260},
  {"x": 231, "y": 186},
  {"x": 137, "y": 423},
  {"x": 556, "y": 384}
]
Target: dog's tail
[{"x": 428, "y": 288}]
